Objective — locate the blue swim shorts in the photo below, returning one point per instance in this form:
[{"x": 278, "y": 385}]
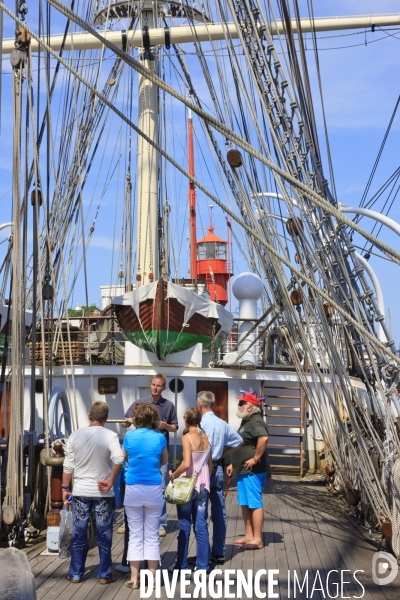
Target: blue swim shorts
[{"x": 250, "y": 489}]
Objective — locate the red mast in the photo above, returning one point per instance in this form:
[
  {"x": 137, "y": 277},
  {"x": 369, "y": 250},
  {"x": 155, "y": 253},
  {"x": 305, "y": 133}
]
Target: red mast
[
  {"x": 192, "y": 201},
  {"x": 209, "y": 258}
]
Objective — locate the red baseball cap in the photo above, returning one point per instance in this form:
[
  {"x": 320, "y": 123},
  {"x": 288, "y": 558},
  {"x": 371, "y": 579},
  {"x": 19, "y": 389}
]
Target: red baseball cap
[{"x": 250, "y": 398}]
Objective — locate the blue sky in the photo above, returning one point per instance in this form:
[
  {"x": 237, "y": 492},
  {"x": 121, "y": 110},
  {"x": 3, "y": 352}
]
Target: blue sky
[
  {"x": 360, "y": 89},
  {"x": 360, "y": 92}
]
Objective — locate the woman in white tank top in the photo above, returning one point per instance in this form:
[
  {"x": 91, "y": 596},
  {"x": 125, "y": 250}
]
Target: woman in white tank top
[{"x": 194, "y": 444}]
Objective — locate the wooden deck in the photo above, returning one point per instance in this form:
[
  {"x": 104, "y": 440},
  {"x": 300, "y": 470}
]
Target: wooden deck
[{"x": 305, "y": 530}]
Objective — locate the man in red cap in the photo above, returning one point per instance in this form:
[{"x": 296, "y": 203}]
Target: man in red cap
[{"x": 250, "y": 464}]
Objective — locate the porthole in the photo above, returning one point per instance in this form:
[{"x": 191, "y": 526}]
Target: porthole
[{"x": 180, "y": 385}]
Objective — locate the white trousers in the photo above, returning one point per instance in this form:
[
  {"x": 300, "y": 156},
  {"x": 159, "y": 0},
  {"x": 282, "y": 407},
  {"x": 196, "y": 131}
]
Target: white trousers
[{"x": 143, "y": 507}]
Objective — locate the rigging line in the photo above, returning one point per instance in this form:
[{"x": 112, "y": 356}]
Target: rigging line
[
  {"x": 6, "y": 194},
  {"x": 115, "y": 209},
  {"x": 387, "y": 200},
  {"x": 374, "y": 168},
  {"x": 304, "y": 81},
  {"x": 318, "y": 37},
  {"x": 382, "y": 189},
  {"x": 353, "y": 45},
  {"x": 205, "y": 163},
  {"x": 122, "y": 241},
  {"x": 36, "y": 173},
  {"x": 363, "y": 249},
  {"x": 249, "y": 229},
  {"x": 105, "y": 188},
  {"x": 313, "y": 196},
  {"x": 86, "y": 285},
  {"x": 387, "y": 33},
  {"x": 92, "y": 121},
  {"x": 391, "y": 204},
  {"x": 328, "y": 148}
]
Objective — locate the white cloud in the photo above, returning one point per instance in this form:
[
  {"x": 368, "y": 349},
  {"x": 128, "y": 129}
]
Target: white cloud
[{"x": 103, "y": 242}]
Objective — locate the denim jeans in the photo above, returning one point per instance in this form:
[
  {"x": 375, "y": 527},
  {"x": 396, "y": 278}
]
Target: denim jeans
[
  {"x": 81, "y": 510},
  {"x": 164, "y": 482},
  {"x": 195, "y": 511},
  {"x": 218, "y": 511}
]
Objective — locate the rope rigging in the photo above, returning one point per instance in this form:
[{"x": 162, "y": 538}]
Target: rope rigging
[{"x": 334, "y": 325}]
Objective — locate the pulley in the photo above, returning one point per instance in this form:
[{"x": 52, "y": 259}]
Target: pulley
[
  {"x": 234, "y": 158},
  {"x": 47, "y": 291},
  {"x": 328, "y": 310},
  {"x": 387, "y": 528},
  {"x": 17, "y": 58},
  {"x": 296, "y": 298},
  {"x": 36, "y": 196},
  {"x": 352, "y": 496},
  {"x": 329, "y": 470},
  {"x": 24, "y": 38},
  {"x": 294, "y": 226}
]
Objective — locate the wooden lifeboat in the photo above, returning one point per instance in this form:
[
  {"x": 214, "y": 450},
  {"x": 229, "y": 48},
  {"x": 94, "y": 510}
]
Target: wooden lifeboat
[{"x": 165, "y": 318}]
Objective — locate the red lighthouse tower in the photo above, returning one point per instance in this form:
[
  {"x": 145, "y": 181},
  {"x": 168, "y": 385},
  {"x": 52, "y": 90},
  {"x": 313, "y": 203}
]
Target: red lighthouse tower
[
  {"x": 209, "y": 258},
  {"x": 213, "y": 265}
]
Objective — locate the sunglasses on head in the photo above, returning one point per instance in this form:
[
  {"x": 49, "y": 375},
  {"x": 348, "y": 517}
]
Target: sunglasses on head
[{"x": 241, "y": 403}]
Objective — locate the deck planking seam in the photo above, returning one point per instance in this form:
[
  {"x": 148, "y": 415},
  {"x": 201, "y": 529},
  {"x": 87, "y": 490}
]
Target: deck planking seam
[
  {"x": 303, "y": 554},
  {"x": 279, "y": 560},
  {"x": 360, "y": 554},
  {"x": 292, "y": 539},
  {"x": 317, "y": 549},
  {"x": 342, "y": 544},
  {"x": 304, "y": 528}
]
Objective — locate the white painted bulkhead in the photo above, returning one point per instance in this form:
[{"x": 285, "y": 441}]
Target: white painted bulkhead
[{"x": 133, "y": 384}]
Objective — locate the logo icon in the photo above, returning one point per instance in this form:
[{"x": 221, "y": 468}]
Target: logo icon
[{"x": 384, "y": 568}]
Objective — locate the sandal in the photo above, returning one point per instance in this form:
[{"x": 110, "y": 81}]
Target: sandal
[
  {"x": 132, "y": 585},
  {"x": 106, "y": 580}
]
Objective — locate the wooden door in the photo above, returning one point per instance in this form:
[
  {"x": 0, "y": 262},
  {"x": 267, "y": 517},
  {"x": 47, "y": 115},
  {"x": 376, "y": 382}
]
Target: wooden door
[{"x": 220, "y": 391}]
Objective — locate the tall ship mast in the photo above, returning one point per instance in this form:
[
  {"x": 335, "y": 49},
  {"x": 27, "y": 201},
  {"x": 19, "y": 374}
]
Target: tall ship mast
[{"x": 103, "y": 134}]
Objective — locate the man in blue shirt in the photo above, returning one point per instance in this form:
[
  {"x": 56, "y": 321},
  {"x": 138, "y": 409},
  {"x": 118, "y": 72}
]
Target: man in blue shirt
[{"x": 224, "y": 440}]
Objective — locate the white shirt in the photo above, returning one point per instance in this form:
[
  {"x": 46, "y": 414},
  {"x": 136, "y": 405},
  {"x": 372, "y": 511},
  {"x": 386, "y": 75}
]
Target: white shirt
[{"x": 89, "y": 454}]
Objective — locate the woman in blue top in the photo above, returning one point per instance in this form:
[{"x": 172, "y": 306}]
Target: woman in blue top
[{"x": 145, "y": 452}]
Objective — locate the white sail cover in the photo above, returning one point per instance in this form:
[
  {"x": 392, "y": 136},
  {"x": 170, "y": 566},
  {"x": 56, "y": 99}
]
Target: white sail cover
[
  {"x": 192, "y": 302},
  {"x": 136, "y": 296},
  {"x": 4, "y": 313}
]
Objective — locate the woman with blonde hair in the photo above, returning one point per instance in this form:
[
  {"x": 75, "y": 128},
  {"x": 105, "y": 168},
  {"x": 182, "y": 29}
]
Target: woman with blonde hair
[
  {"x": 145, "y": 452},
  {"x": 195, "y": 444}
]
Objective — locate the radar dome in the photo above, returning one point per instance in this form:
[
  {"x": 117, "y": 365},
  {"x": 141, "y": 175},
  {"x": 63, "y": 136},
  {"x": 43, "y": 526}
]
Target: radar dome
[{"x": 247, "y": 286}]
